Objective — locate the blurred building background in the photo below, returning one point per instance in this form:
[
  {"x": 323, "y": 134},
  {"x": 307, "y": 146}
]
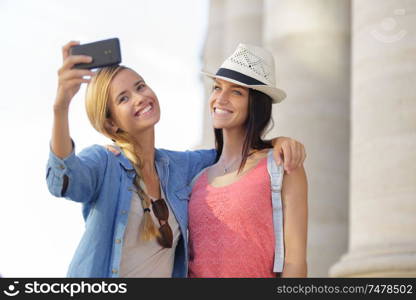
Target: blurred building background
[{"x": 349, "y": 69}]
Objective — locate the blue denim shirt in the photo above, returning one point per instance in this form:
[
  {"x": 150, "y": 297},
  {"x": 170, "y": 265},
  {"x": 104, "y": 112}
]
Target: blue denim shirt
[{"x": 103, "y": 183}]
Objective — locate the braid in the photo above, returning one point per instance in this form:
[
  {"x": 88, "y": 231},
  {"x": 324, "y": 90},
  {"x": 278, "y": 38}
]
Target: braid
[
  {"x": 147, "y": 228},
  {"x": 98, "y": 110}
]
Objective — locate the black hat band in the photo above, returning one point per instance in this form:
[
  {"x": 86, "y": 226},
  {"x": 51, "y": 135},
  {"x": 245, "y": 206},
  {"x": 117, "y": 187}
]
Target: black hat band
[{"x": 238, "y": 77}]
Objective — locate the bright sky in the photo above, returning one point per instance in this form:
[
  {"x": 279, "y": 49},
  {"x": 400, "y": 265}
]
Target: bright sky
[{"x": 160, "y": 39}]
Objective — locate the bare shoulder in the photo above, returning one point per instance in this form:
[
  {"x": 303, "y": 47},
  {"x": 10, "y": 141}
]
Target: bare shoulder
[{"x": 259, "y": 154}]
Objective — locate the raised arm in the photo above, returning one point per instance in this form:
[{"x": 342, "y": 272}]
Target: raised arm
[
  {"x": 68, "y": 175},
  {"x": 69, "y": 82}
]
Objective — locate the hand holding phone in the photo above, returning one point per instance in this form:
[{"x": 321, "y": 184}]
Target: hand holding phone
[
  {"x": 70, "y": 79},
  {"x": 104, "y": 53}
]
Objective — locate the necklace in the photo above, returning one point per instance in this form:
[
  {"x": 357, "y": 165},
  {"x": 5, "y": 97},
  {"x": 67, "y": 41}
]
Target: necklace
[{"x": 227, "y": 168}]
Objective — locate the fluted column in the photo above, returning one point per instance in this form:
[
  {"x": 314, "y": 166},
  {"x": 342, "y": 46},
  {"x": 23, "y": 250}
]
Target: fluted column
[
  {"x": 383, "y": 146},
  {"x": 230, "y": 22},
  {"x": 310, "y": 40}
]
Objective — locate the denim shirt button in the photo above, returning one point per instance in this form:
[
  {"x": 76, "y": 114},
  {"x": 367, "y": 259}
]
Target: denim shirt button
[
  {"x": 118, "y": 241},
  {"x": 114, "y": 271},
  {"x": 130, "y": 189},
  {"x": 123, "y": 212},
  {"x": 61, "y": 166}
]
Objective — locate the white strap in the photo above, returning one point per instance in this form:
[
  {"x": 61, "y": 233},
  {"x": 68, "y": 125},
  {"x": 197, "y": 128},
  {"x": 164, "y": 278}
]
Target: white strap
[{"x": 276, "y": 178}]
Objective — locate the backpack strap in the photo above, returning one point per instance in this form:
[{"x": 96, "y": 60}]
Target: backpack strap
[{"x": 276, "y": 178}]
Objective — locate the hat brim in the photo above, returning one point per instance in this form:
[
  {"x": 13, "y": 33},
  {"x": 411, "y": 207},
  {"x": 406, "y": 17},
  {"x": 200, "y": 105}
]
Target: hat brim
[{"x": 276, "y": 94}]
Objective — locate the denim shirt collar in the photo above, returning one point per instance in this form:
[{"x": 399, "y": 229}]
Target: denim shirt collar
[{"x": 161, "y": 160}]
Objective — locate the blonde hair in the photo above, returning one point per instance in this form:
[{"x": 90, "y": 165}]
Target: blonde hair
[{"x": 97, "y": 106}]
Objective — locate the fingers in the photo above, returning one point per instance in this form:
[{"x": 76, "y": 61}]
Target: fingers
[
  {"x": 73, "y": 74},
  {"x": 278, "y": 156},
  {"x": 72, "y": 60},
  {"x": 69, "y": 77},
  {"x": 66, "y": 47},
  {"x": 294, "y": 155},
  {"x": 304, "y": 155},
  {"x": 76, "y": 81},
  {"x": 294, "y": 158},
  {"x": 287, "y": 156},
  {"x": 278, "y": 153},
  {"x": 300, "y": 155},
  {"x": 298, "y": 160}
]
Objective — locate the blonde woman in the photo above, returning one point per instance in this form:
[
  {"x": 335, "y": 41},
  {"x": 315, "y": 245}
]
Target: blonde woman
[
  {"x": 238, "y": 226},
  {"x": 135, "y": 205}
]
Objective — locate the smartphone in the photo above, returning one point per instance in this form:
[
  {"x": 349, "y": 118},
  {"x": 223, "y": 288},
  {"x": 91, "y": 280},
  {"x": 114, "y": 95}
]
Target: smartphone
[{"x": 104, "y": 53}]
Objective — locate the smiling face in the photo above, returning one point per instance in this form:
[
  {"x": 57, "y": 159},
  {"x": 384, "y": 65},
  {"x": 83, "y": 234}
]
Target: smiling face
[
  {"x": 132, "y": 104},
  {"x": 228, "y": 104}
]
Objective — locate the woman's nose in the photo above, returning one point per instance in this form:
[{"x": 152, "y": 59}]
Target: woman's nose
[
  {"x": 222, "y": 98},
  {"x": 138, "y": 99}
]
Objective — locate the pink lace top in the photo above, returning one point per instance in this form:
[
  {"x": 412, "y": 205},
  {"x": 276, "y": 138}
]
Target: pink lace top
[{"x": 231, "y": 227}]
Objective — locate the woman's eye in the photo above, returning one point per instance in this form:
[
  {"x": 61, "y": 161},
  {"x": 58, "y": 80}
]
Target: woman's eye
[
  {"x": 238, "y": 93},
  {"x": 140, "y": 86},
  {"x": 215, "y": 88},
  {"x": 122, "y": 99}
]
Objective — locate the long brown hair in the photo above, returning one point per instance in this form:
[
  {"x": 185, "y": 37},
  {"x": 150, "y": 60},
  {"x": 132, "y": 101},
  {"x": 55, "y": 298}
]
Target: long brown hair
[{"x": 258, "y": 119}]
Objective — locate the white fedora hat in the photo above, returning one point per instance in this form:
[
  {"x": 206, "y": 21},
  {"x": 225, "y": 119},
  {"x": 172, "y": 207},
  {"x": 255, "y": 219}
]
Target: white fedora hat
[{"x": 252, "y": 67}]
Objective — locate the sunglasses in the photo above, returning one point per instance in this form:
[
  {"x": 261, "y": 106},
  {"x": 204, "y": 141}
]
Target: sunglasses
[{"x": 161, "y": 211}]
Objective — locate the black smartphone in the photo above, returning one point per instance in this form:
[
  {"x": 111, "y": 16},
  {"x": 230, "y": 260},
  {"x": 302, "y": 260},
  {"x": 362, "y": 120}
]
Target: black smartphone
[{"x": 104, "y": 53}]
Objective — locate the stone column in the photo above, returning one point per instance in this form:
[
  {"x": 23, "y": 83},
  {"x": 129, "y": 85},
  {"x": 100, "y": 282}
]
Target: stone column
[
  {"x": 383, "y": 145},
  {"x": 230, "y": 22},
  {"x": 310, "y": 41}
]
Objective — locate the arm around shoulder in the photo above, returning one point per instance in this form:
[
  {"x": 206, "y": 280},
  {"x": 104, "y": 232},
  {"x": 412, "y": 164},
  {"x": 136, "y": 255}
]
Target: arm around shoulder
[
  {"x": 295, "y": 222},
  {"x": 198, "y": 160}
]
